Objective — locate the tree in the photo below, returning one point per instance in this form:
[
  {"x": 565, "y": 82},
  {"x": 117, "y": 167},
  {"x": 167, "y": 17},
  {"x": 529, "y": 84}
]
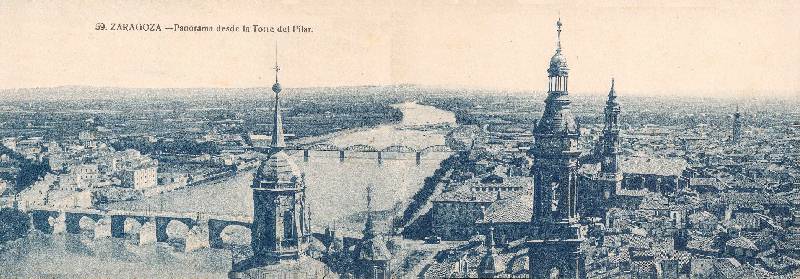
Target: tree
[
  {"x": 29, "y": 173},
  {"x": 13, "y": 224}
]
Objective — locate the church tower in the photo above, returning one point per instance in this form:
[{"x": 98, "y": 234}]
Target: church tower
[
  {"x": 490, "y": 266},
  {"x": 554, "y": 245},
  {"x": 737, "y": 127},
  {"x": 280, "y": 228},
  {"x": 610, "y": 172},
  {"x": 372, "y": 255}
]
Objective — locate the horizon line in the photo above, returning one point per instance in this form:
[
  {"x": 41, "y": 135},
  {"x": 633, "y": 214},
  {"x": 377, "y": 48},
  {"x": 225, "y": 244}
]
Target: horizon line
[{"x": 728, "y": 94}]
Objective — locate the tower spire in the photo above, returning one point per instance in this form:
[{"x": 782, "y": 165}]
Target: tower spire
[
  {"x": 278, "y": 141},
  {"x": 369, "y": 226},
  {"x": 612, "y": 92}
]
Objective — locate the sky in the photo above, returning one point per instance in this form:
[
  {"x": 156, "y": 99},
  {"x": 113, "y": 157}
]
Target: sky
[{"x": 706, "y": 48}]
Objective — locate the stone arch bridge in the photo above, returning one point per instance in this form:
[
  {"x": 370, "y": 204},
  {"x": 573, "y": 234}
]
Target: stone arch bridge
[{"x": 200, "y": 230}]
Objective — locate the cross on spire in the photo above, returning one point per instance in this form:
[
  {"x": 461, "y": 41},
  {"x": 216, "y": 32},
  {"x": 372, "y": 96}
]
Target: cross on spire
[
  {"x": 558, "y": 25},
  {"x": 277, "y": 68}
]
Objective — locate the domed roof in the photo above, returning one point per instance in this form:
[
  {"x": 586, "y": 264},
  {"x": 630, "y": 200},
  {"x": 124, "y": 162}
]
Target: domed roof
[
  {"x": 557, "y": 119},
  {"x": 278, "y": 168},
  {"x": 558, "y": 65}
]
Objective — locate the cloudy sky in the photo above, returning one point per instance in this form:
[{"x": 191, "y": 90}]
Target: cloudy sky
[{"x": 716, "y": 48}]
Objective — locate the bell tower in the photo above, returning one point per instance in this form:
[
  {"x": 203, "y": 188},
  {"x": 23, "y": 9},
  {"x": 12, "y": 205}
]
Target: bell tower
[
  {"x": 554, "y": 244},
  {"x": 281, "y": 226},
  {"x": 737, "y": 127},
  {"x": 610, "y": 172}
]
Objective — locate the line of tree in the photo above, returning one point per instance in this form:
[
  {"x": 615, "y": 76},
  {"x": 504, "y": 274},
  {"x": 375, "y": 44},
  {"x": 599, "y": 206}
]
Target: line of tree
[{"x": 30, "y": 171}]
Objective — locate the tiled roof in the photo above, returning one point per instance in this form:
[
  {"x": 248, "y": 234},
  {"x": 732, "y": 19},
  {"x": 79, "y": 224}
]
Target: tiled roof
[
  {"x": 653, "y": 165},
  {"x": 465, "y": 192},
  {"x": 702, "y": 217},
  {"x": 439, "y": 270},
  {"x": 518, "y": 209},
  {"x": 279, "y": 167},
  {"x": 742, "y": 242},
  {"x": 654, "y": 202},
  {"x": 750, "y": 199},
  {"x": 705, "y": 244}
]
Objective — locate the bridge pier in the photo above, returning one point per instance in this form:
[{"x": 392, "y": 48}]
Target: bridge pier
[
  {"x": 59, "y": 223},
  {"x": 102, "y": 229},
  {"x": 147, "y": 234},
  {"x": 197, "y": 237}
]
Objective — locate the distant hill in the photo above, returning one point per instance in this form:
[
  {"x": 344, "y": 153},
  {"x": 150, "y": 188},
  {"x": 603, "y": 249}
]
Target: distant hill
[{"x": 111, "y": 93}]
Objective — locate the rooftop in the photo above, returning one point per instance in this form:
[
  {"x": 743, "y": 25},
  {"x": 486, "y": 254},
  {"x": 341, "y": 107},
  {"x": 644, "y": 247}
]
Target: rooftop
[
  {"x": 466, "y": 191},
  {"x": 653, "y": 165}
]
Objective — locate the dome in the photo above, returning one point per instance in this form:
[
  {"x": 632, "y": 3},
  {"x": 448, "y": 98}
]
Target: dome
[
  {"x": 278, "y": 168},
  {"x": 558, "y": 65},
  {"x": 556, "y": 121}
]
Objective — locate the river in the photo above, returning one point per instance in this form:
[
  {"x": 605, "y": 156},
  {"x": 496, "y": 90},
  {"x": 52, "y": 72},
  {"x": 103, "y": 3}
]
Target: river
[{"x": 335, "y": 189}]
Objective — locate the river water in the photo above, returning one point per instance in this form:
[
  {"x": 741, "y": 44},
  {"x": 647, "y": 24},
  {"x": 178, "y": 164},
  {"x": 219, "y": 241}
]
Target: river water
[{"x": 335, "y": 189}]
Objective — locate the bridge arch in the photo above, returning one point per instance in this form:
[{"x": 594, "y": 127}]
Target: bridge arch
[
  {"x": 235, "y": 235},
  {"x": 399, "y": 149}
]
